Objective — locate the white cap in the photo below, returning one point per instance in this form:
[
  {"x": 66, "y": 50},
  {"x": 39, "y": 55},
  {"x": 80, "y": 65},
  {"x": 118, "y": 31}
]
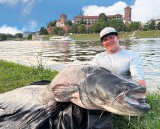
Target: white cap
[{"x": 107, "y": 31}]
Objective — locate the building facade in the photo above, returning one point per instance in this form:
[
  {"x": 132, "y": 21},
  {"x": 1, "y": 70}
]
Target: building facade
[
  {"x": 61, "y": 22},
  {"x": 92, "y": 19},
  {"x": 89, "y": 20}
]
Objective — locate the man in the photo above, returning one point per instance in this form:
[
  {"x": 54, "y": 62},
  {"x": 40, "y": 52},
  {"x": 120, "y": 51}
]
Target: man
[{"x": 120, "y": 61}]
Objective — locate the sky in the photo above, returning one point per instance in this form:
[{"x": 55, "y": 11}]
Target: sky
[{"x": 18, "y": 16}]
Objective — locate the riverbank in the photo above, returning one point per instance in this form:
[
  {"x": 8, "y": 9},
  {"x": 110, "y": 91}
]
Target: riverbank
[
  {"x": 14, "y": 75},
  {"x": 123, "y": 35}
]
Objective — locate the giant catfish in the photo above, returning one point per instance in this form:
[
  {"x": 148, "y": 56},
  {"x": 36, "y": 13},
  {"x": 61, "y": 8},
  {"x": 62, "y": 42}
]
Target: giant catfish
[{"x": 87, "y": 86}]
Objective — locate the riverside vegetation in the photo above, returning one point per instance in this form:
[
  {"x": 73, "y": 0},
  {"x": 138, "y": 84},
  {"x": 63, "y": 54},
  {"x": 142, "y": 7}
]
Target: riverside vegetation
[
  {"x": 123, "y": 35},
  {"x": 14, "y": 75}
]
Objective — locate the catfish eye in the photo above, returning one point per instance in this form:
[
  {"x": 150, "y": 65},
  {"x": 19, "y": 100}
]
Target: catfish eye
[{"x": 118, "y": 88}]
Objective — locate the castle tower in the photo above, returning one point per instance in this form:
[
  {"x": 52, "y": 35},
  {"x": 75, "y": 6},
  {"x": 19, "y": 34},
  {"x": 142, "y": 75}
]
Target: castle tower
[
  {"x": 63, "y": 18},
  {"x": 127, "y": 14}
]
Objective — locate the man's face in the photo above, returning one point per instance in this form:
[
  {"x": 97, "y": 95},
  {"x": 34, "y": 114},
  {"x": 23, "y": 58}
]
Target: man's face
[{"x": 111, "y": 43}]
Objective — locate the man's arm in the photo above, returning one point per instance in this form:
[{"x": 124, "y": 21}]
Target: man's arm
[{"x": 137, "y": 70}]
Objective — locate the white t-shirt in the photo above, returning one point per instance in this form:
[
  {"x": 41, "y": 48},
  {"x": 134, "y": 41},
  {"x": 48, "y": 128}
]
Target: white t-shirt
[{"x": 125, "y": 63}]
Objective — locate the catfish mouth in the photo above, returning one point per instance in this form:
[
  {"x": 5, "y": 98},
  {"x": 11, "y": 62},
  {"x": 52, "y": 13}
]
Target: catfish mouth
[
  {"x": 136, "y": 100},
  {"x": 139, "y": 104}
]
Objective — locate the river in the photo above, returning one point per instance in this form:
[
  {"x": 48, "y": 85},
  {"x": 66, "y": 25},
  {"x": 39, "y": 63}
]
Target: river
[{"x": 57, "y": 55}]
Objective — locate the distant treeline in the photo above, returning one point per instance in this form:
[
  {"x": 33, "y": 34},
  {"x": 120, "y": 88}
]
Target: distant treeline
[{"x": 18, "y": 36}]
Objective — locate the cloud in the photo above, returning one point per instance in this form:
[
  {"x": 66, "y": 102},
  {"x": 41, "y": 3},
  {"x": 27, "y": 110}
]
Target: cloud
[
  {"x": 142, "y": 10},
  {"x": 9, "y": 30},
  {"x": 93, "y": 10},
  {"x": 32, "y": 26},
  {"x": 145, "y": 10},
  {"x": 9, "y": 2},
  {"x": 27, "y": 5}
]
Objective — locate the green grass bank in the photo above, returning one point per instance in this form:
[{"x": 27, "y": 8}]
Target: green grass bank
[
  {"x": 123, "y": 35},
  {"x": 14, "y": 75}
]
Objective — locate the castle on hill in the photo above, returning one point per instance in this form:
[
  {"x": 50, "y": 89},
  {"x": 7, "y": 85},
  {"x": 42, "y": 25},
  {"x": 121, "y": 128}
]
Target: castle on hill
[{"x": 89, "y": 20}]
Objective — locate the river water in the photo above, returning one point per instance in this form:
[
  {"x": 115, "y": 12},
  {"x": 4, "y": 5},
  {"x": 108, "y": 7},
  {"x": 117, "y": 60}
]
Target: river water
[{"x": 57, "y": 55}]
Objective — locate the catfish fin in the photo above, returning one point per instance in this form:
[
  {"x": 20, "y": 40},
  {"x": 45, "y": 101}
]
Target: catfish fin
[{"x": 64, "y": 92}]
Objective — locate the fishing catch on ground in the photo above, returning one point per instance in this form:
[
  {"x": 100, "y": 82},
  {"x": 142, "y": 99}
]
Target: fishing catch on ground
[{"x": 87, "y": 86}]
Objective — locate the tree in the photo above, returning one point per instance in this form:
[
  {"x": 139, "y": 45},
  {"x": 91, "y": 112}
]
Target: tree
[
  {"x": 145, "y": 27},
  {"x": 43, "y": 31},
  {"x": 116, "y": 23},
  {"x": 89, "y": 30},
  {"x": 19, "y": 35},
  {"x": 51, "y": 24},
  {"x": 3, "y": 37},
  {"x": 158, "y": 26},
  {"x": 58, "y": 31},
  {"x": 151, "y": 25},
  {"x": 134, "y": 26},
  {"x": 69, "y": 22},
  {"x": 74, "y": 29},
  {"x": 10, "y": 36},
  {"x": 82, "y": 29},
  {"x": 29, "y": 37},
  {"x": 97, "y": 27},
  {"x": 102, "y": 18}
]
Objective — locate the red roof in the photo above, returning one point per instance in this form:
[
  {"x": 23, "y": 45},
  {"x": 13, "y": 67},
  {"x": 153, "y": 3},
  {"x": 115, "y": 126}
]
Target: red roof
[
  {"x": 89, "y": 17},
  {"x": 96, "y": 17}
]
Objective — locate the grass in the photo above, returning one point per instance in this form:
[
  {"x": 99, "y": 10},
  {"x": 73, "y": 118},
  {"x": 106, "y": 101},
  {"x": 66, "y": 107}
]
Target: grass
[
  {"x": 123, "y": 35},
  {"x": 150, "y": 120},
  {"x": 14, "y": 75},
  {"x": 85, "y": 36},
  {"x": 148, "y": 34}
]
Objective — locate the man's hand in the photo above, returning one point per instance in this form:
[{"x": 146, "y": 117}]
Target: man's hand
[{"x": 142, "y": 83}]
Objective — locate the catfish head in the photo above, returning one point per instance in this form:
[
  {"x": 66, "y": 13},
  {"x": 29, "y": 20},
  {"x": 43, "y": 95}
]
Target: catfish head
[{"x": 107, "y": 91}]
